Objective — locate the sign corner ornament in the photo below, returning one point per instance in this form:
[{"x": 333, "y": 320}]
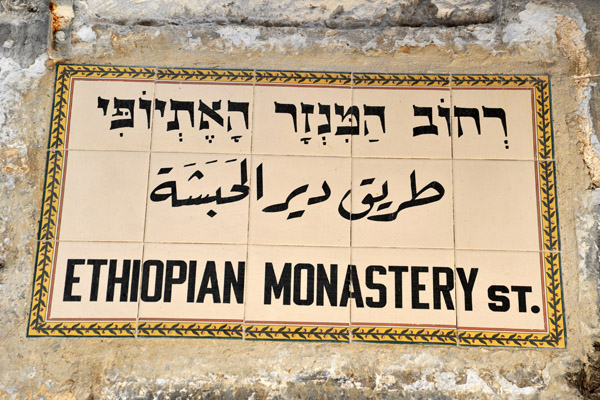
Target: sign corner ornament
[{"x": 299, "y": 206}]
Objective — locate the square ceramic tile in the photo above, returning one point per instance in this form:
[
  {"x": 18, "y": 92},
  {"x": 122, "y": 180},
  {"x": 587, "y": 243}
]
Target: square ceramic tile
[
  {"x": 303, "y": 120},
  {"x": 198, "y": 198},
  {"x": 199, "y": 283},
  {"x": 95, "y": 282},
  {"x": 290, "y": 285},
  {"x": 297, "y": 200},
  {"x": 496, "y": 205},
  {"x": 401, "y": 203},
  {"x": 494, "y": 123},
  {"x": 110, "y": 114},
  {"x": 207, "y": 117},
  {"x": 404, "y": 287},
  {"x": 501, "y": 290},
  {"x": 103, "y": 196},
  {"x": 402, "y": 122}
]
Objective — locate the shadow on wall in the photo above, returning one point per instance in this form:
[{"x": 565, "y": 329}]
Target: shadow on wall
[{"x": 587, "y": 379}]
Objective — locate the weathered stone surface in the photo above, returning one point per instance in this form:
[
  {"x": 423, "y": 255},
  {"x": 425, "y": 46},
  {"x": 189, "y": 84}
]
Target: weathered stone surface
[
  {"x": 23, "y": 30},
  {"x": 346, "y": 15},
  {"x": 20, "y": 7}
]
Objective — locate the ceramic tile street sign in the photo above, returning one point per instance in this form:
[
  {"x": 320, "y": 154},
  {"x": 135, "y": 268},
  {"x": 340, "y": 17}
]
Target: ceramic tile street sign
[{"x": 285, "y": 205}]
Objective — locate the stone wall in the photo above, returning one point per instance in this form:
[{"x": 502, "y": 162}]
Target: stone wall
[{"x": 434, "y": 36}]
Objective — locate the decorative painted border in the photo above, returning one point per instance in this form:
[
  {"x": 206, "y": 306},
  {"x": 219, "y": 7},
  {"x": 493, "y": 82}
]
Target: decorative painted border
[
  {"x": 204, "y": 75},
  {"x": 297, "y": 333},
  {"x": 401, "y": 80},
  {"x": 190, "y": 330},
  {"x": 404, "y": 335},
  {"x": 304, "y": 78},
  {"x": 38, "y": 326}
]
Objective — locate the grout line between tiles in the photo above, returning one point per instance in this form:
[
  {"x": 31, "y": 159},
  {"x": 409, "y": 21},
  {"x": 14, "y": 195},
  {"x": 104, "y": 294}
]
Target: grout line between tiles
[
  {"x": 247, "y": 273},
  {"x": 311, "y": 245},
  {"x": 539, "y": 160},
  {"x": 350, "y": 338},
  {"x": 457, "y": 341},
  {"x": 137, "y": 317}
]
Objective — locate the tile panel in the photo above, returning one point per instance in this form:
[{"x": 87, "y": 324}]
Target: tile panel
[{"x": 300, "y": 206}]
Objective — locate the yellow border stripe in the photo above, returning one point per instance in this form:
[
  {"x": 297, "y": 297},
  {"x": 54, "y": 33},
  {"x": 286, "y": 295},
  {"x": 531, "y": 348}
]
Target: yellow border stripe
[
  {"x": 109, "y": 71},
  {"x": 496, "y": 80},
  {"x": 206, "y": 75},
  {"x": 508, "y": 339},
  {"x": 83, "y": 329},
  {"x": 301, "y": 333},
  {"x": 51, "y": 197},
  {"x": 404, "y": 335},
  {"x": 216, "y": 330},
  {"x": 401, "y": 80},
  {"x": 304, "y": 78}
]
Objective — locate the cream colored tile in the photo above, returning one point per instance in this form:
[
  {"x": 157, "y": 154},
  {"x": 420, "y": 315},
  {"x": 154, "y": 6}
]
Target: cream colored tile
[
  {"x": 297, "y": 286},
  {"x": 482, "y": 115},
  {"x": 110, "y": 114},
  {"x": 496, "y": 205},
  {"x": 501, "y": 291},
  {"x": 104, "y": 196},
  {"x": 416, "y": 121},
  {"x": 187, "y": 282},
  {"x": 288, "y": 120},
  {"x": 207, "y": 117},
  {"x": 404, "y": 287},
  {"x": 388, "y": 211},
  {"x": 95, "y": 281},
  {"x": 198, "y": 198},
  {"x": 295, "y": 200}
]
